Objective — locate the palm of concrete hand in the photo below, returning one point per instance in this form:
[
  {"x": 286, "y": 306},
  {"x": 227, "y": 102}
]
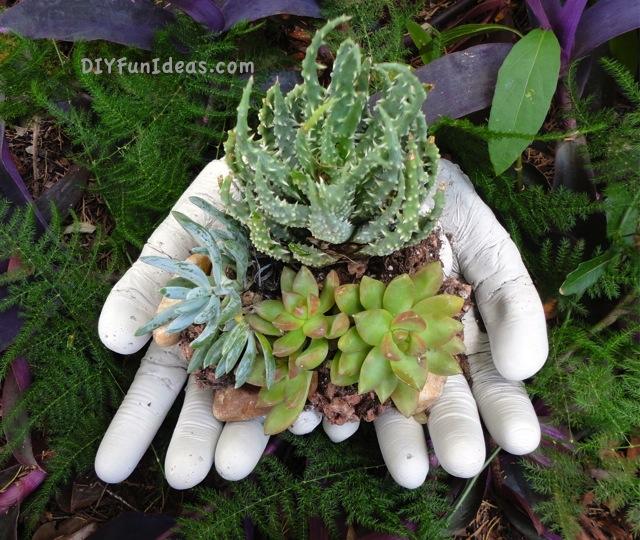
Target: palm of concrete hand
[{"x": 514, "y": 348}]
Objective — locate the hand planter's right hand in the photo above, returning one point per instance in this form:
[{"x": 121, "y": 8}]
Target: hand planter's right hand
[{"x": 198, "y": 439}]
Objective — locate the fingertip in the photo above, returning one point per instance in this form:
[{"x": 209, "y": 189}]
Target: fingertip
[
  {"x": 306, "y": 422},
  {"x": 187, "y": 470},
  {"x": 462, "y": 457},
  {"x": 239, "y": 449},
  {"x": 110, "y": 465},
  {"x": 519, "y": 348},
  {"x": 403, "y": 447},
  {"x": 337, "y": 433},
  {"x": 119, "y": 320},
  {"x": 521, "y": 437}
]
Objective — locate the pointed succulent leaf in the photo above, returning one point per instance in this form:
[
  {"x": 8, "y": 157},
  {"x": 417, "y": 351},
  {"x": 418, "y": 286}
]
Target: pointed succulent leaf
[
  {"x": 336, "y": 378},
  {"x": 351, "y": 362},
  {"x": 371, "y": 293},
  {"x": 183, "y": 269},
  {"x": 313, "y": 305},
  {"x": 441, "y": 305},
  {"x": 214, "y": 354},
  {"x": 175, "y": 293},
  {"x": 197, "y": 359},
  {"x": 262, "y": 326},
  {"x": 286, "y": 322},
  {"x": 298, "y": 388},
  {"x": 347, "y": 298},
  {"x": 442, "y": 363},
  {"x": 304, "y": 283},
  {"x": 352, "y": 342},
  {"x": 411, "y": 370},
  {"x": 286, "y": 279},
  {"x": 210, "y": 313},
  {"x": 316, "y": 327},
  {"x": 269, "y": 361},
  {"x": 373, "y": 325},
  {"x": 269, "y": 309},
  {"x": 399, "y": 294},
  {"x": 390, "y": 349},
  {"x": 292, "y": 301},
  {"x": 440, "y": 330},
  {"x": 233, "y": 346},
  {"x": 206, "y": 238},
  {"x": 327, "y": 298},
  {"x": 267, "y": 397},
  {"x": 376, "y": 374},
  {"x": 289, "y": 343},
  {"x": 256, "y": 376},
  {"x": 454, "y": 346},
  {"x": 417, "y": 345},
  {"x": 314, "y": 354},
  {"x": 338, "y": 325},
  {"x": 160, "y": 319},
  {"x": 192, "y": 306},
  {"x": 405, "y": 399},
  {"x": 428, "y": 280},
  {"x": 206, "y": 337},
  {"x": 246, "y": 362},
  {"x": 180, "y": 323},
  {"x": 408, "y": 320}
]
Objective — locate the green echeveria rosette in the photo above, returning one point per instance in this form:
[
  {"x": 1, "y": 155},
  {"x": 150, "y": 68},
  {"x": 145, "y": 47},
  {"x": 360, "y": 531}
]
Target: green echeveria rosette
[
  {"x": 403, "y": 330},
  {"x": 303, "y": 322},
  {"x": 384, "y": 337}
]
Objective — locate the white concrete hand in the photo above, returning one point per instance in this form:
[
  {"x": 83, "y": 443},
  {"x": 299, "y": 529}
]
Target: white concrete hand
[
  {"x": 514, "y": 349},
  {"x": 198, "y": 437},
  {"x": 507, "y": 300}
]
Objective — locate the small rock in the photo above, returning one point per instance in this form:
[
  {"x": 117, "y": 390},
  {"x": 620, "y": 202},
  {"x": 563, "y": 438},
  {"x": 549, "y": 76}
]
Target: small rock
[
  {"x": 431, "y": 391},
  {"x": 237, "y": 404},
  {"x": 160, "y": 335}
]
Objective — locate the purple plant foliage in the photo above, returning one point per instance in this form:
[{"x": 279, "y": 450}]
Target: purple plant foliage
[
  {"x": 205, "y": 12},
  {"x": 463, "y": 82},
  {"x": 250, "y": 10},
  {"x": 129, "y": 22},
  {"x": 605, "y": 20},
  {"x": 580, "y": 31},
  {"x": 19, "y": 490},
  {"x": 134, "y": 22}
]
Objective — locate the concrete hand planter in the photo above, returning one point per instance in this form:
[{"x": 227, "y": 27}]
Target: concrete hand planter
[{"x": 317, "y": 291}]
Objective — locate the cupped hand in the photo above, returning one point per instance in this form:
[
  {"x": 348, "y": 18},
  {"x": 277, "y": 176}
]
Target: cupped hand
[{"x": 515, "y": 348}]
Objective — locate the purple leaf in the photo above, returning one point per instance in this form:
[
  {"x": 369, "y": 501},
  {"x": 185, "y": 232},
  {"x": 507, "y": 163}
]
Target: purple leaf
[
  {"x": 203, "y": 11},
  {"x": 604, "y": 21},
  {"x": 12, "y": 186},
  {"x": 539, "y": 13},
  {"x": 463, "y": 82},
  {"x": 251, "y": 10},
  {"x": 570, "y": 18},
  {"x": 129, "y": 22},
  {"x": 18, "y": 379},
  {"x": 21, "y": 488},
  {"x": 134, "y": 22}
]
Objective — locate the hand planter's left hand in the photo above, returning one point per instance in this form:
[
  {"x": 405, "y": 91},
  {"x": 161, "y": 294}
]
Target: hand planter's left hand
[{"x": 514, "y": 349}]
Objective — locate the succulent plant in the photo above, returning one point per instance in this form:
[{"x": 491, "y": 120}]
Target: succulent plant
[
  {"x": 211, "y": 299},
  {"x": 403, "y": 330},
  {"x": 331, "y": 173},
  {"x": 302, "y": 323}
]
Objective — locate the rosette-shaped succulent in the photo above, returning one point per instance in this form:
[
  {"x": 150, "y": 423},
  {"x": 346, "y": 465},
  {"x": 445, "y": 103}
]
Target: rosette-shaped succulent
[
  {"x": 303, "y": 325},
  {"x": 332, "y": 174},
  {"x": 403, "y": 330},
  {"x": 211, "y": 298}
]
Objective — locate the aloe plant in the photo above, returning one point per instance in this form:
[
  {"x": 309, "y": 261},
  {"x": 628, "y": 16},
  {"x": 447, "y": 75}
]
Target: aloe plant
[
  {"x": 213, "y": 300},
  {"x": 403, "y": 330},
  {"x": 331, "y": 174}
]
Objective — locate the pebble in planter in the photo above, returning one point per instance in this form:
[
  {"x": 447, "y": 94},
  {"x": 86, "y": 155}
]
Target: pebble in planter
[{"x": 332, "y": 181}]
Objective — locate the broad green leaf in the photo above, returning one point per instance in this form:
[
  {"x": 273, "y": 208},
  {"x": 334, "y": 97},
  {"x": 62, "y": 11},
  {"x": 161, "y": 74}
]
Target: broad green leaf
[
  {"x": 289, "y": 343},
  {"x": 586, "y": 274},
  {"x": 371, "y": 292},
  {"x": 427, "y": 280},
  {"x": 336, "y": 378},
  {"x": 350, "y": 363},
  {"x": 269, "y": 360},
  {"x": 442, "y": 363},
  {"x": 399, "y": 294},
  {"x": 376, "y": 373},
  {"x": 352, "y": 342},
  {"x": 526, "y": 83},
  {"x": 348, "y": 298},
  {"x": 405, "y": 398}
]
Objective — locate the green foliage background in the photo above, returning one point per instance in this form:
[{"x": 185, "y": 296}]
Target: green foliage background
[{"x": 143, "y": 138}]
